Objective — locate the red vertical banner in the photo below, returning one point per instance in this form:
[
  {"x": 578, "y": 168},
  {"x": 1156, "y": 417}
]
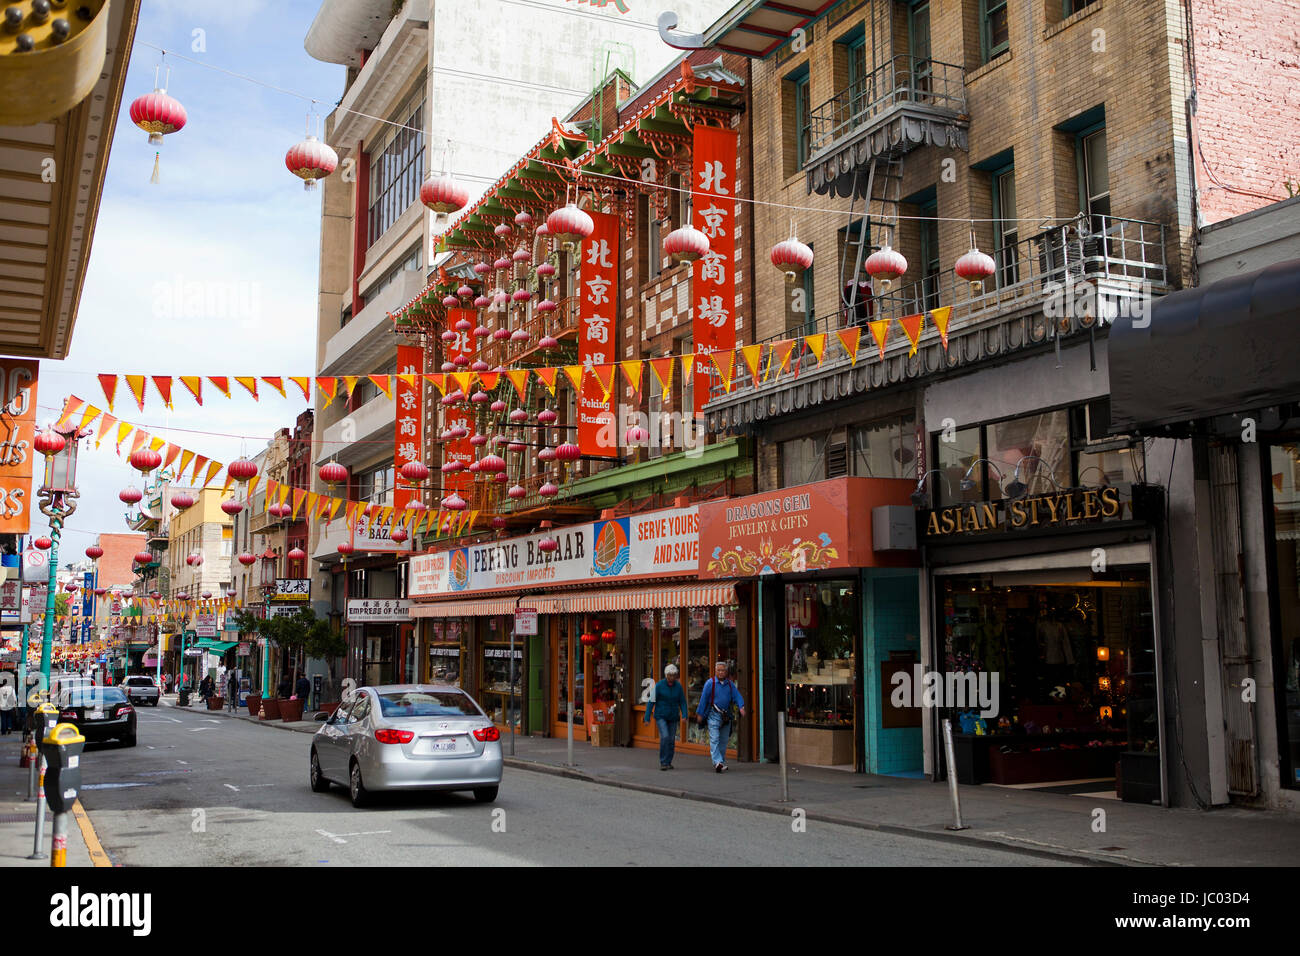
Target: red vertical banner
[
  {"x": 409, "y": 431},
  {"x": 458, "y": 449},
  {"x": 17, "y": 429},
  {"x": 713, "y": 289},
  {"x": 597, "y": 318}
]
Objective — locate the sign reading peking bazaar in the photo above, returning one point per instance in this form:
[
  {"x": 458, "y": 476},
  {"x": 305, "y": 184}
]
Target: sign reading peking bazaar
[
  {"x": 596, "y": 316},
  {"x": 813, "y": 527},
  {"x": 655, "y": 544}
]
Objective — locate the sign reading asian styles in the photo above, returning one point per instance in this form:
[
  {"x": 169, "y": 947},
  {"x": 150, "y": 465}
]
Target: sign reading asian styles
[
  {"x": 409, "y": 425},
  {"x": 1057, "y": 511},
  {"x": 655, "y": 544},
  {"x": 292, "y": 589},
  {"x": 597, "y": 305},
  {"x": 378, "y": 610},
  {"x": 713, "y": 284}
]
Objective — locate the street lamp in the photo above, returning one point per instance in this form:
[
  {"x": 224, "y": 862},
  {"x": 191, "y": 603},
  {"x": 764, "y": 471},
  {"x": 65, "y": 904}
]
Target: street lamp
[{"x": 58, "y": 500}]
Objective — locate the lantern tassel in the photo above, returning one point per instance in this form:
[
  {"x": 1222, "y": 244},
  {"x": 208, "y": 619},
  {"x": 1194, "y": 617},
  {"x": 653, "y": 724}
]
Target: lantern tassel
[{"x": 154, "y": 179}]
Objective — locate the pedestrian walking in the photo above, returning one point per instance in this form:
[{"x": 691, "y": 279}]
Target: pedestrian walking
[
  {"x": 720, "y": 693},
  {"x": 668, "y": 705},
  {"x": 205, "y": 688},
  {"x": 232, "y": 700},
  {"x": 303, "y": 688},
  {"x": 8, "y": 707}
]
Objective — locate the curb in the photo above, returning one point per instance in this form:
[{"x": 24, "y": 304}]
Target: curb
[
  {"x": 1062, "y": 855},
  {"x": 277, "y": 724}
]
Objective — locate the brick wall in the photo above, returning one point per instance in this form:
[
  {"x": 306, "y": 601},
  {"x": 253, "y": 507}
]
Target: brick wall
[
  {"x": 115, "y": 567},
  {"x": 1248, "y": 100}
]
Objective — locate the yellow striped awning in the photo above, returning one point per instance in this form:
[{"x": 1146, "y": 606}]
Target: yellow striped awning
[{"x": 588, "y": 602}]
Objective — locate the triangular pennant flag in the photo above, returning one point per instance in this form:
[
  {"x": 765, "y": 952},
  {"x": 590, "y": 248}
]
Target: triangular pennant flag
[
  {"x": 88, "y": 416},
  {"x": 724, "y": 360},
  {"x": 194, "y": 383},
  {"x": 780, "y": 357},
  {"x": 276, "y": 383},
  {"x": 632, "y": 371},
  {"x": 109, "y": 384},
  {"x": 879, "y": 332},
  {"x": 156, "y": 443},
  {"x": 605, "y": 378},
  {"x": 941, "y": 317},
  {"x": 214, "y": 468},
  {"x": 171, "y": 454},
  {"x": 284, "y": 493},
  {"x": 489, "y": 379},
  {"x": 663, "y": 371},
  {"x": 912, "y": 329},
  {"x": 304, "y": 383},
  {"x": 137, "y": 440},
  {"x": 187, "y": 456},
  {"x": 439, "y": 380},
  {"x": 335, "y": 503},
  {"x": 407, "y": 379},
  {"x": 350, "y": 383},
  {"x": 519, "y": 378},
  {"x": 136, "y": 384},
  {"x": 249, "y": 382},
  {"x": 222, "y": 383},
  {"x": 299, "y": 496},
  {"x": 327, "y": 385},
  {"x": 70, "y": 406},
  {"x": 465, "y": 380},
  {"x": 547, "y": 377},
  {"x": 230, "y": 480},
  {"x": 252, "y": 488},
  {"x": 688, "y": 360},
  {"x": 123, "y": 429},
  {"x": 574, "y": 373},
  {"x": 385, "y": 384},
  {"x": 753, "y": 356},
  {"x": 199, "y": 462},
  {"x": 164, "y": 385},
  {"x": 272, "y": 486},
  {"x": 311, "y": 503},
  {"x": 816, "y": 345},
  {"x": 849, "y": 338},
  {"x": 105, "y": 426}
]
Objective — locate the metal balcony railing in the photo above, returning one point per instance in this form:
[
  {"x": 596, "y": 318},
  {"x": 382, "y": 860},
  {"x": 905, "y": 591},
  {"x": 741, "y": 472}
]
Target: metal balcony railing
[
  {"x": 562, "y": 324},
  {"x": 902, "y": 80},
  {"x": 1057, "y": 268}
]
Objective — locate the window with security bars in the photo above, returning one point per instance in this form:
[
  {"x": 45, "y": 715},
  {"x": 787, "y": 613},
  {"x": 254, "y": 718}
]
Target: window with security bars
[{"x": 397, "y": 165}]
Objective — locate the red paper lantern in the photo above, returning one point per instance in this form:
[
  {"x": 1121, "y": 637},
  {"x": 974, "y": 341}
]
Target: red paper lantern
[
  {"x": 182, "y": 500},
  {"x": 100, "y": 592},
  {"x": 398, "y": 534},
  {"x": 792, "y": 257},
  {"x": 547, "y": 417},
  {"x": 94, "y": 552},
  {"x": 241, "y": 469},
  {"x": 570, "y": 224},
  {"x": 158, "y": 114},
  {"x": 296, "y": 554},
  {"x": 609, "y": 636},
  {"x": 311, "y": 160},
  {"x": 453, "y": 502},
  {"x": 332, "y": 473},
  {"x": 145, "y": 460},
  {"x": 443, "y": 194},
  {"x": 975, "y": 267},
  {"x": 636, "y": 435},
  {"x": 48, "y": 442},
  {"x": 518, "y": 416},
  {"x": 503, "y": 229},
  {"x": 589, "y": 639},
  {"x": 130, "y": 495},
  {"x": 206, "y": 595},
  {"x": 522, "y": 218},
  {"x": 548, "y": 342},
  {"x": 247, "y": 560},
  {"x": 231, "y": 593},
  {"x": 415, "y": 471},
  {"x": 568, "y": 452},
  {"x": 548, "y": 490},
  {"x": 492, "y": 463},
  {"x": 885, "y": 265},
  {"x": 345, "y": 549},
  {"x": 686, "y": 244},
  {"x": 546, "y": 270},
  {"x": 548, "y": 545},
  {"x": 141, "y": 557},
  {"x": 517, "y": 492},
  {"x": 232, "y": 507}
]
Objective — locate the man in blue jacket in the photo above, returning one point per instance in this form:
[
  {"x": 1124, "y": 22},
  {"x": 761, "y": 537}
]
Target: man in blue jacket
[
  {"x": 668, "y": 705},
  {"x": 719, "y": 693}
]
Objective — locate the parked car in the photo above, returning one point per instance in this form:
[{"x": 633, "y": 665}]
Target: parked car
[
  {"x": 141, "y": 689},
  {"x": 408, "y": 737},
  {"x": 61, "y": 682},
  {"x": 100, "y": 713}
]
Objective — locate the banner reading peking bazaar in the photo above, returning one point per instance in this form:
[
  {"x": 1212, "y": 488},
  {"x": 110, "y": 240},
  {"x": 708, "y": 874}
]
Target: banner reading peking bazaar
[
  {"x": 713, "y": 211},
  {"x": 408, "y": 430},
  {"x": 17, "y": 429},
  {"x": 458, "y": 449},
  {"x": 596, "y": 318}
]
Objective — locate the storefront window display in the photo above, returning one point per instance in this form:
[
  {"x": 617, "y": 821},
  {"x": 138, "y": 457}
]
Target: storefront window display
[
  {"x": 501, "y": 695},
  {"x": 568, "y": 658},
  {"x": 822, "y": 635},
  {"x": 604, "y": 673},
  {"x": 699, "y": 667},
  {"x": 445, "y": 640},
  {"x": 1285, "y": 482},
  {"x": 1066, "y": 660}
]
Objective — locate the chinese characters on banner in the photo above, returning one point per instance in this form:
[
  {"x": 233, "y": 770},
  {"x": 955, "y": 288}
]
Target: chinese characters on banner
[
  {"x": 407, "y": 430},
  {"x": 460, "y": 449},
  {"x": 713, "y": 208},
  {"x": 596, "y": 324},
  {"x": 17, "y": 429}
]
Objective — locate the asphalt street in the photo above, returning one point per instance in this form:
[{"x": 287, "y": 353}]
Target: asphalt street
[{"x": 208, "y": 791}]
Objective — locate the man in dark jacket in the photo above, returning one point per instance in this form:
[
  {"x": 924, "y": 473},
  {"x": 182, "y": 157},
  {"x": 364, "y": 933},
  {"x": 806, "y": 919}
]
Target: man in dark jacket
[
  {"x": 303, "y": 689},
  {"x": 668, "y": 705},
  {"x": 232, "y": 698},
  {"x": 286, "y": 688}
]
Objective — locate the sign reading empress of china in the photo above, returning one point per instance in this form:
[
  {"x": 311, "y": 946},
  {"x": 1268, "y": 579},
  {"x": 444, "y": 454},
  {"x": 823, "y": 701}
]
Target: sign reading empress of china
[
  {"x": 380, "y": 610},
  {"x": 654, "y": 544}
]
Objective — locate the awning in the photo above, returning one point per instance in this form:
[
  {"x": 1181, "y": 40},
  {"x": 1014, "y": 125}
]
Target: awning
[
  {"x": 588, "y": 602},
  {"x": 1230, "y": 346},
  {"x": 220, "y": 647},
  {"x": 752, "y": 28}
]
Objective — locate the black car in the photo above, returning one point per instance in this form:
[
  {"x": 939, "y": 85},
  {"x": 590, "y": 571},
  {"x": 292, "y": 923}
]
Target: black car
[{"x": 100, "y": 713}]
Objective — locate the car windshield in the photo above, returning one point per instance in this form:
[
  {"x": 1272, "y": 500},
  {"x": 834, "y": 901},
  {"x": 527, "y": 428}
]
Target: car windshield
[
  {"x": 427, "y": 703},
  {"x": 139, "y": 681},
  {"x": 89, "y": 696}
]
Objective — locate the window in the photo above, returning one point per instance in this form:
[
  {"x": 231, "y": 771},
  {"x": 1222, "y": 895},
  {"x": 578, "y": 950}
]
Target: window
[
  {"x": 411, "y": 263},
  {"x": 803, "y": 119},
  {"x": 995, "y": 37},
  {"x": 654, "y": 244},
  {"x": 802, "y": 461},
  {"x": 800, "y": 312},
  {"x": 855, "y": 62},
  {"x": 797, "y": 113},
  {"x": 929, "y": 230},
  {"x": 686, "y": 383},
  {"x": 918, "y": 44},
  {"x": 1283, "y": 464},
  {"x": 425, "y": 703},
  {"x": 953, "y": 460},
  {"x": 883, "y": 449},
  {"x": 1034, "y": 450},
  {"x": 227, "y": 541},
  {"x": 1070, "y": 7},
  {"x": 1006, "y": 233},
  {"x": 1094, "y": 177},
  {"x": 397, "y": 165},
  {"x": 376, "y": 486}
]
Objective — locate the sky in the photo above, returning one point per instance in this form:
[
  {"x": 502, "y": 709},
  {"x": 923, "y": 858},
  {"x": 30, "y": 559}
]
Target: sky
[{"x": 214, "y": 270}]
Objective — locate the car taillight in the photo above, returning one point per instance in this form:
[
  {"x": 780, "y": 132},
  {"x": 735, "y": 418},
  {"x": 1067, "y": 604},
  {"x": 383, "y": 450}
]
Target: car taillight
[
  {"x": 387, "y": 736},
  {"x": 487, "y": 734},
  {"x": 124, "y": 709},
  {"x": 69, "y": 714}
]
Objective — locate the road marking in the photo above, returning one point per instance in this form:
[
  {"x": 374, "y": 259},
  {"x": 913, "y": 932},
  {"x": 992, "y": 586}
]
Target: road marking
[
  {"x": 149, "y": 746},
  {"x": 195, "y": 730},
  {"x": 97, "y": 855},
  {"x": 252, "y": 785},
  {"x": 231, "y": 786},
  {"x": 174, "y": 720},
  {"x": 186, "y": 762},
  {"x": 212, "y": 720},
  {"x": 113, "y": 786},
  {"x": 338, "y": 837}
]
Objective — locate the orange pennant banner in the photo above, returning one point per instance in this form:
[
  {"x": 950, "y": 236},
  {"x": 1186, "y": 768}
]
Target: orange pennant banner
[
  {"x": 519, "y": 378},
  {"x": 632, "y": 371},
  {"x": 912, "y": 325},
  {"x": 276, "y": 383},
  {"x": 725, "y": 363},
  {"x": 780, "y": 351},
  {"x": 109, "y": 384},
  {"x": 164, "y": 385},
  {"x": 753, "y": 356},
  {"x": 136, "y": 384},
  {"x": 574, "y": 373},
  {"x": 663, "y": 371},
  {"x": 816, "y": 345},
  {"x": 850, "y": 338},
  {"x": 384, "y": 383},
  {"x": 222, "y": 384},
  {"x": 327, "y": 386},
  {"x": 249, "y": 382},
  {"x": 880, "y": 332},
  {"x": 941, "y": 317},
  {"x": 194, "y": 383},
  {"x": 304, "y": 383},
  {"x": 547, "y": 377}
]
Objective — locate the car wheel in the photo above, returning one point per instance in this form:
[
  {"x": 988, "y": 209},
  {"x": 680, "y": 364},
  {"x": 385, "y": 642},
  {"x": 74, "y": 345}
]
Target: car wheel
[
  {"x": 128, "y": 741},
  {"x": 485, "y": 794},
  {"x": 357, "y": 789},
  {"x": 318, "y": 782}
]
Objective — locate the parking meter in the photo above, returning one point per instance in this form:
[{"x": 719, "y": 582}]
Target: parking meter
[
  {"x": 41, "y": 715},
  {"x": 62, "y": 748}
]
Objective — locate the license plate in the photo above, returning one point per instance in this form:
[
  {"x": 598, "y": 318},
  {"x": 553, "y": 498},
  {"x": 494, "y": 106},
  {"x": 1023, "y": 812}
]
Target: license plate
[
  {"x": 449, "y": 744},
  {"x": 95, "y": 715}
]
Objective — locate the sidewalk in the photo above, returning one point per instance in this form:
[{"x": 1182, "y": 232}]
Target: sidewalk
[
  {"x": 1059, "y": 826},
  {"x": 18, "y": 818}
]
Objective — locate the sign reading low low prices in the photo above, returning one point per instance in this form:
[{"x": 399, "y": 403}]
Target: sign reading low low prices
[
  {"x": 378, "y": 610},
  {"x": 656, "y": 544}
]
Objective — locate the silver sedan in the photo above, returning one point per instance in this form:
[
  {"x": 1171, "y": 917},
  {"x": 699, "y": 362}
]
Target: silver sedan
[{"x": 408, "y": 737}]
